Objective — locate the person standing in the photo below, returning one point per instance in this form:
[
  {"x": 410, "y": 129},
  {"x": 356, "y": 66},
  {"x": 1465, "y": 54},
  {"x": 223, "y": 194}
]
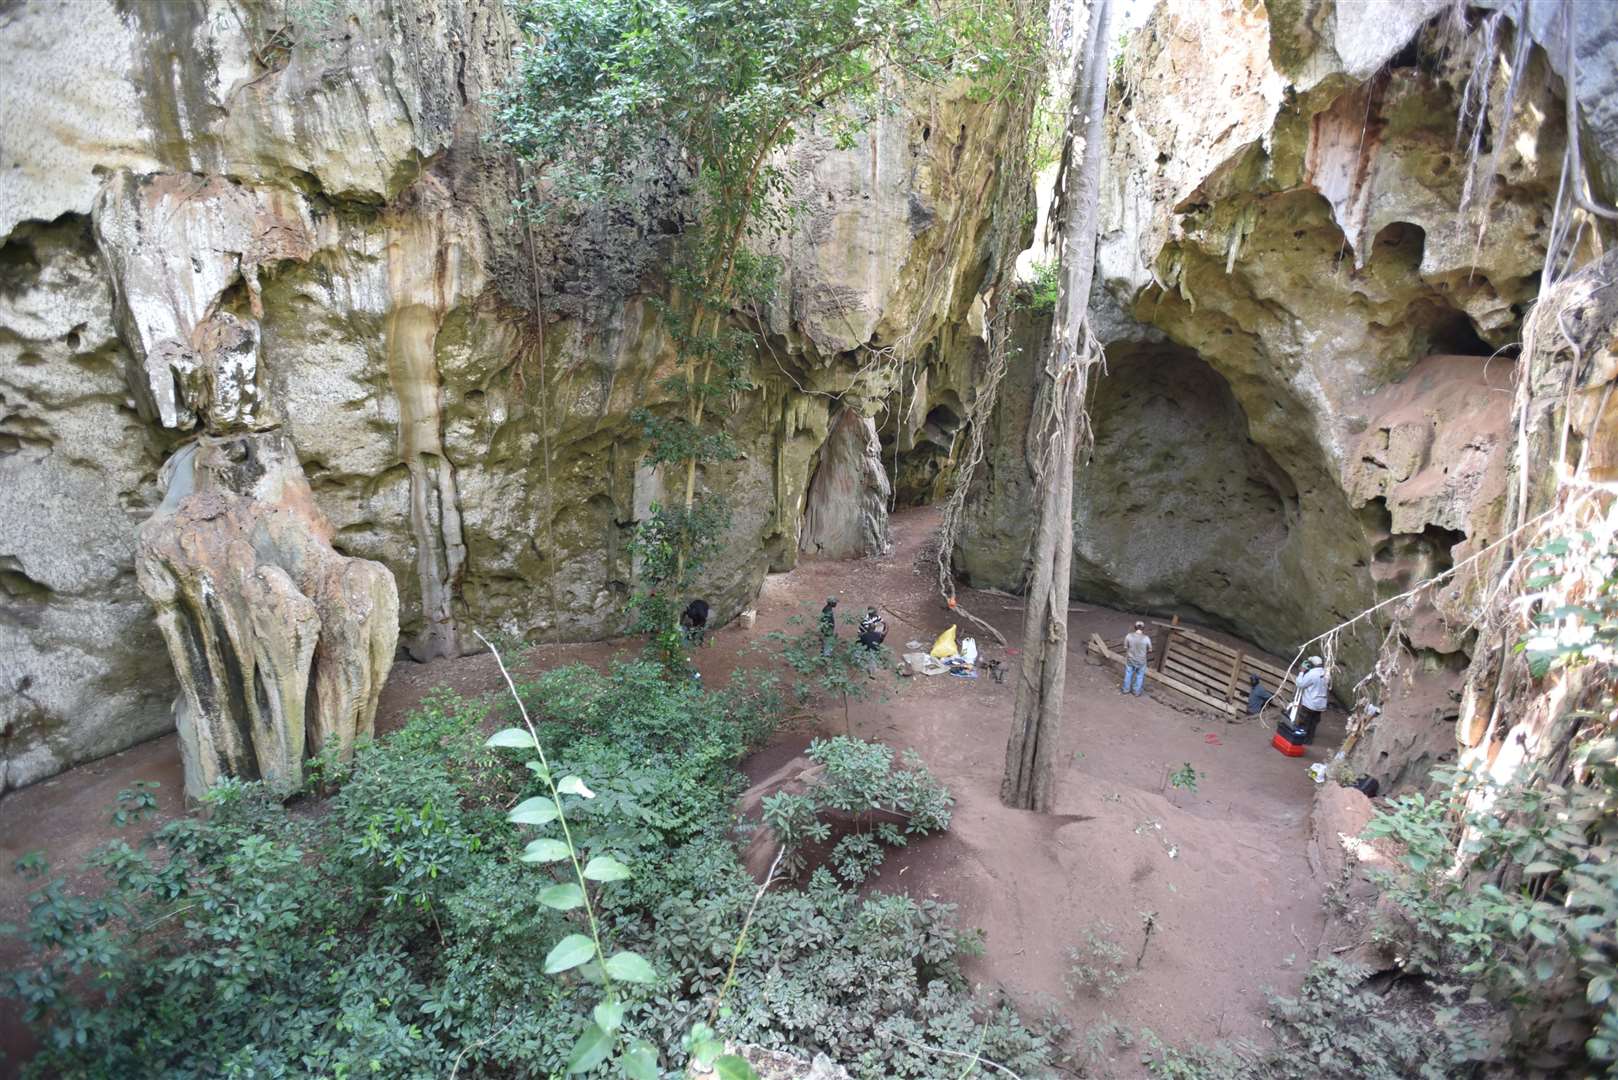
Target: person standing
[
  {"x": 1312, "y": 686},
  {"x": 1137, "y": 650},
  {"x": 828, "y": 625}
]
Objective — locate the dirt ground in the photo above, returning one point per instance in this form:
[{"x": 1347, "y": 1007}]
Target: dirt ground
[{"x": 1223, "y": 870}]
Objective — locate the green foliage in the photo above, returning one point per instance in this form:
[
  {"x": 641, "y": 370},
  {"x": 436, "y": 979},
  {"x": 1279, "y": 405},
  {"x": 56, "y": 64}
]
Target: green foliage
[
  {"x": 858, "y": 785},
  {"x": 1096, "y": 965},
  {"x": 604, "y": 86},
  {"x": 1186, "y": 778},
  {"x": 1573, "y": 582},
  {"x": 31, "y": 866},
  {"x": 838, "y": 667},
  {"x": 796, "y": 823},
  {"x": 673, "y": 544},
  {"x": 405, "y": 928},
  {"x": 859, "y": 780},
  {"x": 1533, "y": 922},
  {"x": 134, "y": 803},
  {"x": 1039, "y": 295},
  {"x": 1333, "y": 1030}
]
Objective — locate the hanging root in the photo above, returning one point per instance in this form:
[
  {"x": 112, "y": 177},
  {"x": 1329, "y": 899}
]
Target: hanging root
[
  {"x": 1012, "y": 200},
  {"x": 977, "y": 419}
]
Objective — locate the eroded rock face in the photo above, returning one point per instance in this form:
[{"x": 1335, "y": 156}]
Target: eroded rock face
[
  {"x": 82, "y": 672},
  {"x": 1284, "y": 205},
  {"x": 301, "y": 231},
  {"x": 846, "y": 513},
  {"x": 281, "y": 644}
]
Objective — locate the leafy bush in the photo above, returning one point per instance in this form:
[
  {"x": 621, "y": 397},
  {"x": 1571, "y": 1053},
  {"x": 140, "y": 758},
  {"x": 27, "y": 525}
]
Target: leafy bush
[
  {"x": 1039, "y": 295},
  {"x": 1096, "y": 964},
  {"x": 1533, "y": 923},
  {"x": 834, "y": 666},
  {"x": 394, "y": 930},
  {"x": 860, "y": 780}
]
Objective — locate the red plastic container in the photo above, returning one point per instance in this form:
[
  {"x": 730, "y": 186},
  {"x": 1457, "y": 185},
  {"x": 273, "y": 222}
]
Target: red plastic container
[{"x": 1290, "y": 749}]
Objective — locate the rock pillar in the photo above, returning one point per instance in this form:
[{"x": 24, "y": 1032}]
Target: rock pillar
[
  {"x": 280, "y": 643},
  {"x": 846, "y": 512}
]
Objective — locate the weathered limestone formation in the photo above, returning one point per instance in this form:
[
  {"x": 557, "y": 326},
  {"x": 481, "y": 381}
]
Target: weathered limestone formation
[
  {"x": 1283, "y": 247},
  {"x": 281, "y": 644},
  {"x": 82, "y": 672},
  {"x": 300, "y": 228},
  {"x": 846, "y": 513}
]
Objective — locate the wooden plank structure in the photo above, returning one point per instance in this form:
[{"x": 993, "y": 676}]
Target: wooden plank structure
[{"x": 1206, "y": 673}]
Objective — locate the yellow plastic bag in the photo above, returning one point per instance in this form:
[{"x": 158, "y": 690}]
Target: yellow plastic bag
[{"x": 944, "y": 647}]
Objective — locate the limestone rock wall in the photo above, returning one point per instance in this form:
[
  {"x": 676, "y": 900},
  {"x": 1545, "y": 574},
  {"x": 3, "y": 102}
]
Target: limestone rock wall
[
  {"x": 1286, "y": 433},
  {"x": 229, "y": 217}
]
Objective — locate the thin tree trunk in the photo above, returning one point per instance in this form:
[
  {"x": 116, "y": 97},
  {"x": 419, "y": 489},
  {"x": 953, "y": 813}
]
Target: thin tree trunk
[{"x": 1058, "y": 424}]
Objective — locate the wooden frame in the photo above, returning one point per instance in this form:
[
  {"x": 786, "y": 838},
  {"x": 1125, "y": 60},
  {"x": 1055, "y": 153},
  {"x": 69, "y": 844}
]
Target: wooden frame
[{"x": 1205, "y": 672}]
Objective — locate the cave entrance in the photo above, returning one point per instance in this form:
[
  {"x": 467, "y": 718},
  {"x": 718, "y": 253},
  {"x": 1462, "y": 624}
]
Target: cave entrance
[{"x": 1178, "y": 509}]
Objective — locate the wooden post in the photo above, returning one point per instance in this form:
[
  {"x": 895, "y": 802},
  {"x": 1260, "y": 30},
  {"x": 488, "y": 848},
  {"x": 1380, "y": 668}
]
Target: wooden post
[
  {"x": 1235, "y": 674},
  {"x": 1168, "y": 639}
]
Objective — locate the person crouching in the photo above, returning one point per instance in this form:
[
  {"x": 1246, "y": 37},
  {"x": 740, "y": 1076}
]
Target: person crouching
[{"x": 873, "y": 631}]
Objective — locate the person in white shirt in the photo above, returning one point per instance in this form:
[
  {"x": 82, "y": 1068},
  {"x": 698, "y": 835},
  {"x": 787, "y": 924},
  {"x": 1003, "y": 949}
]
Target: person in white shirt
[
  {"x": 1312, "y": 686},
  {"x": 1137, "y": 649}
]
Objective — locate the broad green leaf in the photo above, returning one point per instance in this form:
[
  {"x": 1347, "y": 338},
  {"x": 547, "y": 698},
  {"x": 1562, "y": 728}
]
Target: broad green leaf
[
  {"x": 514, "y": 737},
  {"x": 1599, "y": 990},
  {"x": 572, "y": 785},
  {"x": 704, "y": 1050},
  {"x": 562, "y": 897},
  {"x": 606, "y": 868},
  {"x": 734, "y": 1067},
  {"x": 610, "y": 1014},
  {"x": 538, "y": 769},
  {"x": 569, "y": 953},
  {"x": 545, "y": 849},
  {"x": 630, "y": 968},
  {"x": 540, "y": 810},
  {"x": 591, "y": 1050},
  {"x": 639, "y": 1062},
  {"x": 1540, "y": 868}
]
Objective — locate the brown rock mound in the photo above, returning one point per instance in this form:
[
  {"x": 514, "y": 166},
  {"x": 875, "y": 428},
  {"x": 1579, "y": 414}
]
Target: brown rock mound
[{"x": 280, "y": 643}]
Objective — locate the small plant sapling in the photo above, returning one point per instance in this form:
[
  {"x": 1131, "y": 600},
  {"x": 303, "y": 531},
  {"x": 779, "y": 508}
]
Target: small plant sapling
[
  {"x": 837, "y": 666},
  {"x": 1185, "y": 778},
  {"x": 1096, "y": 964},
  {"x": 135, "y": 803}
]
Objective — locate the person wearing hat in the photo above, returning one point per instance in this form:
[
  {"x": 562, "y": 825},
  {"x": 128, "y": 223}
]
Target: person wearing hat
[
  {"x": 1137, "y": 650},
  {"x": 828, "y": 625},
  {"x": 1312, "y": 686}
]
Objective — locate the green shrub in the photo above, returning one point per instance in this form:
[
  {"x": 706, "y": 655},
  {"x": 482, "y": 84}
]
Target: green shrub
[
  {"x": 392, "y": 930},
  {"x": 1039, "y": 295},
  {"x": 1096, "y": 965}
]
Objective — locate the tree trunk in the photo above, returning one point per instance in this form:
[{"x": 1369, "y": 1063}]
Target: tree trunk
[{"x": 1059, "y": 423}]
